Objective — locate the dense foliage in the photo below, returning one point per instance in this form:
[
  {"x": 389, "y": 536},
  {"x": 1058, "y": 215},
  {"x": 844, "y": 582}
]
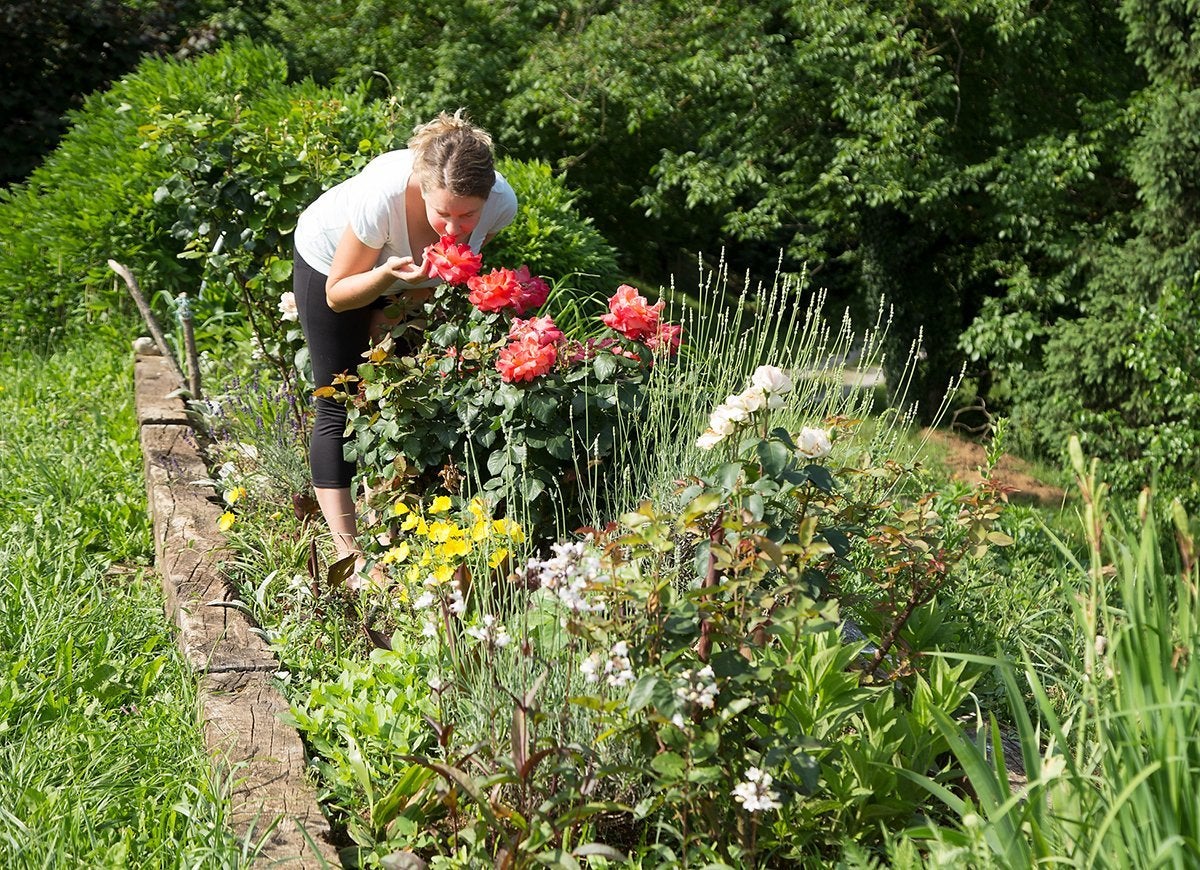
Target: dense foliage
[{"x": 193, "y": 173}]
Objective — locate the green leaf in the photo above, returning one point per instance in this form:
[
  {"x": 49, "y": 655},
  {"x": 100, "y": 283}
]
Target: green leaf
[
  {"x": 604, "y": 366},
  {"x": 642, "y": 692},
  {"x": 774, "y": 456},
  {"x": 668, "y": 765}
]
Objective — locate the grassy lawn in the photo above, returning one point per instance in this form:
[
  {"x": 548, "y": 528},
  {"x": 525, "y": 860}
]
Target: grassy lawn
[{"x": 101, "y": 758}]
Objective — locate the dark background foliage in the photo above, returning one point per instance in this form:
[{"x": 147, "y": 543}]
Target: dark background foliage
[{"x": 1017, "y": 181}]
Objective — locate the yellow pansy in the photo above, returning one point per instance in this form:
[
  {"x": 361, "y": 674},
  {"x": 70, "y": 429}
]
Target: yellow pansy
[
  {"x": 497, "y": 557},
  {"x": 440, "y": 504},
  {"x": 225, "y": 523}
]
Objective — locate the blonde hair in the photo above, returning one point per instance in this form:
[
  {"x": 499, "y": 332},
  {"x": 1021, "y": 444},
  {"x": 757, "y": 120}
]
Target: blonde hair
[{"x": 455, "y": 155}]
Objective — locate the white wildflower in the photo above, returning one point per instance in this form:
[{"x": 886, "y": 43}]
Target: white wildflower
[
  {"x": 698, "y": 687},
  {"x": 755, "y": 793},
  {"x": 425, "y": 599},
  {"x": 491, "y": 632},
  {"x": 458, "y": 605},
  {"x": 590, "y": 667},
  {"x": 813, "y": 443},
  {"x": 429, "y": 628}
]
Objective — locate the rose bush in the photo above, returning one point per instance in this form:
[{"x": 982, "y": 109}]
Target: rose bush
[{"x": 479, "y": 386}]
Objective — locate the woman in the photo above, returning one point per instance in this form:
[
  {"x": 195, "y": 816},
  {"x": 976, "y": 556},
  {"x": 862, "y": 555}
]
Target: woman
[{"x": 358, "y": 249}]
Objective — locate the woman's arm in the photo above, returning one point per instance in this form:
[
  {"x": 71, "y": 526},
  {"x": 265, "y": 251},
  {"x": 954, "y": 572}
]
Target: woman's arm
[{"x": 354, "y": 279}]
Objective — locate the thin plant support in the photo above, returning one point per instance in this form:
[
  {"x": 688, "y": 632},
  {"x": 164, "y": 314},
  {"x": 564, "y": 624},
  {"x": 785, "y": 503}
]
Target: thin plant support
[{"x": 147, "y": 315}]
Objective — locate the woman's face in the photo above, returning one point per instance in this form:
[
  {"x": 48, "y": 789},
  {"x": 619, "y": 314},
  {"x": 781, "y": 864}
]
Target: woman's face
[{"x": 451, "y": 215}]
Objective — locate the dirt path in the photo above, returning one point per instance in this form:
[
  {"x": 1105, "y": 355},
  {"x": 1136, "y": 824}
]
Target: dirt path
[{"x": 964, "y": 457}]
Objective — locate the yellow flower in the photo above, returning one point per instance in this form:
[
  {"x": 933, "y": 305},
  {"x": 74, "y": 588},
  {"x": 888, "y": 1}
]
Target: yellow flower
[
  {"x": 413, "y": 574},
  {"x": 443, "y": 573},
  {"x": 497, "y": 557},
  {"x": 225, "y": 523},
  {"x": 479, "y": 531},
  {"x": 476, "y": 509},
  {"x": 440, "y": 504},
  {"x": 396, "y": 554},
  {"x": 400, "y": 509},
  {"x": 440, "y": 531},
  {"x": 510, "y": 529},
  {"x": 235, "y": 495},
  {"x": 410, "y": 522},
  {"x": 454, "y": 547}
]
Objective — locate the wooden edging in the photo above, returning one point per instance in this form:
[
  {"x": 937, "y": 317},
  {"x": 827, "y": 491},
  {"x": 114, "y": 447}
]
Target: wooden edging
[{"x": 240, "y": 707}]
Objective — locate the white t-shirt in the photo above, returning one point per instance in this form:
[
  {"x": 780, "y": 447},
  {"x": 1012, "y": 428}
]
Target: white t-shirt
[{"x": 373, "y": 204}]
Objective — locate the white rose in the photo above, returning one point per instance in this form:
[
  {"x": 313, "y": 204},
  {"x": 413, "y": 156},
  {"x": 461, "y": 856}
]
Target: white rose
[
  {"x": 709, "y": 439},
  {"x": 733, "y": 408},
  {"x": 724, "y": 420},
  {"x": 813, "y": 443},
  {"x": 772, "y": 379},
  {"x": 287, "y": 306},
  {"x": 753, "y": 399}
]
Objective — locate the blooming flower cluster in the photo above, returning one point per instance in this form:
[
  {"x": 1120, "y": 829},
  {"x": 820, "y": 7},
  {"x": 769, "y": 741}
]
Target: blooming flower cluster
[
  {"x": 768, "y": 385},
  {"x": 536, "y": 345},
  {"x": 616, "y": 669},
  {"x": 568, "y": 574},
  {"x": 432, "y": 545},
  {"x": 755, "y": 793},
  {"x": 698, "y": 688}
]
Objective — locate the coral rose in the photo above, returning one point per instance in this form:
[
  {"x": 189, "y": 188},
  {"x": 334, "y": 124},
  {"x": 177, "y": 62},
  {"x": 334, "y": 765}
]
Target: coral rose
[
  {"x": 453, "y": 263},
  {"x": 495, "y": 291},
  {"x": 630, "y": 314},
  {"x": 525, "y": 359}
]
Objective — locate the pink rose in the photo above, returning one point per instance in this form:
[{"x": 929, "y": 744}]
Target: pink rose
[
  {"x": 630, "y": 315},
  {"x": 541, "y": 327},
  {"x": 534, "y": 291},
  {"x": 668, "y": 338}
]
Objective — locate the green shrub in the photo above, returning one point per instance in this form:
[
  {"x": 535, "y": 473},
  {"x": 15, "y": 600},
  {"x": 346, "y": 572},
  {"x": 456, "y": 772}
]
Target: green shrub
[{"x": 549, "y": 234}]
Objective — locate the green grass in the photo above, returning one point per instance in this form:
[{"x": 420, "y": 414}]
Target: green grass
[{"x": 101, "y": 758}]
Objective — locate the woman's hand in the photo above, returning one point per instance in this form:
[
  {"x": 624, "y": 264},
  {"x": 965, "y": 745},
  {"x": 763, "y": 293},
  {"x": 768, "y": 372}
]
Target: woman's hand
[
  {"x": 405, "y": 269},
  {"x": 355, "y": 280}
]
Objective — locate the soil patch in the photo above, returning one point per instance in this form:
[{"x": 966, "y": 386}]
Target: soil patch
[{"x": 964, "y": 457}]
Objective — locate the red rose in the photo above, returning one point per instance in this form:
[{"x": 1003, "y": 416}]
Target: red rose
[
  {"x": 534, "y": 291},
  {"x": 453, "y": 263},
  {"x": 668, "y": 338}
]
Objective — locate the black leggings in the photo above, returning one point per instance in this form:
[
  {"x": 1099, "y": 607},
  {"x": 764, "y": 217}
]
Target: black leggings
[{"x": 336, "y": 342}]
